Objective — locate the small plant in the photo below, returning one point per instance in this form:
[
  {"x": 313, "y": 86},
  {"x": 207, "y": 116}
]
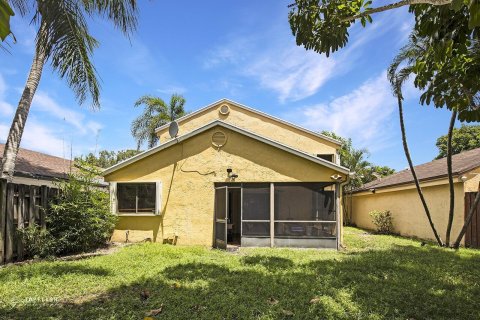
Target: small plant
[
  {"x": 383, "y": 221},
  {"x": 38, "y": 243}
]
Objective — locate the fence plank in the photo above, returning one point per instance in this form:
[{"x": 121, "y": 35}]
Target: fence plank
[
  {"x": 43, "y": 210},
  {"x": 468, "y": 234},
  {"x": 20, "y": 220},
  {"x": 9, "y": 227},
  {"x": 31, "y": 206},
  {"x": 474, "y": 235},
  {"x": 3, "y": 214}
]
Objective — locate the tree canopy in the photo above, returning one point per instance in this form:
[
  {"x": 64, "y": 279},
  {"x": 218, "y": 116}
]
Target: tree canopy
[
  {"x": 356, "y": 160},
  {"x": 155, "y": 114},
  {"x": 465, "y": 138},
  {"x": 450, "y": 28},
  {"x": 106, "y": 158}
]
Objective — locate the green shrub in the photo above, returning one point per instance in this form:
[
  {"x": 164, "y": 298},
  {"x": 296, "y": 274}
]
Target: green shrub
[
  {"x": 78, "y": 218},
  {"x": 383, "y": 221},
  {"x": 37, "y": 242}
]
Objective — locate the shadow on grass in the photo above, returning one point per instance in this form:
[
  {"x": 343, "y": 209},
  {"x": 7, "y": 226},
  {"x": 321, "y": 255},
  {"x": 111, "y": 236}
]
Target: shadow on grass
[
  {"x": 269, "y": 262},
  {"x": 53, "y": 270},
  {"x": 400, "y": 283}
]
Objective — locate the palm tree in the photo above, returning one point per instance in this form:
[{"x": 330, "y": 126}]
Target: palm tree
[
  {"x": 155, "y": 114},
  {"x": 397, "y": 78},
  {"x": 63, "y": 39}
]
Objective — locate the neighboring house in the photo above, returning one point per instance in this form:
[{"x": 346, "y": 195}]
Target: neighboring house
[
  {"x": 36, "y": 168},
  {"x": 233, "y": 175},
  {"x": 398, "y": 194}
]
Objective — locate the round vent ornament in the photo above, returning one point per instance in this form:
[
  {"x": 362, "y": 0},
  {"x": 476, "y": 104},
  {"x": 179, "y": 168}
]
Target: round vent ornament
[
  {"x": 224, "y": 109},
  {"x": 219, "y": 139}
]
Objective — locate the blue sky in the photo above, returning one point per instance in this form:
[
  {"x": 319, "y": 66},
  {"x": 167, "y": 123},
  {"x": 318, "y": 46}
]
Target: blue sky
[{"x": 241, "y": 50}]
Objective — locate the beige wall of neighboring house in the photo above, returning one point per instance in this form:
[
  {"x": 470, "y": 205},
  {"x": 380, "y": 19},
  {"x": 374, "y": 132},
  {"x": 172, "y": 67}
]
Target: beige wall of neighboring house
[{"x": 409, "y": 217}]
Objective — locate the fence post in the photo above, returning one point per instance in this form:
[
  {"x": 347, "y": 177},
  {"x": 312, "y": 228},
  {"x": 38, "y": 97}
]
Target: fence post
[
  {"x": 20, "y": 220},
  {"x": 43, "y": 210},
  {"x": 9, "y": 227},
  {"x": 31, "y": 207},
  {"x": 3, "y": 214}
]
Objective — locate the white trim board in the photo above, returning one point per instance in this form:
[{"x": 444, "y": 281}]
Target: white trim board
[
  {"x": 239, "y": 105},
  {"x": 234, "y": 128}
]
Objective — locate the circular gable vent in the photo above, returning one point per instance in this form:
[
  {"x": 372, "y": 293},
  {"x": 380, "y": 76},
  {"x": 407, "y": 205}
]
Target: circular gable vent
[
  {"x": 224, "y": 109},
  {"x": 219, "y": 139}
]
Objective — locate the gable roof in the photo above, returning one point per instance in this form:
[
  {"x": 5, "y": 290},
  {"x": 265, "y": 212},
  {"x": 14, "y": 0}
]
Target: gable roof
[
  {"x": 239, "y": 105},
  {"x": 39, "y": 165},
  {"x": 436, "y": 169},
  {"x": 234, "y": 128}
]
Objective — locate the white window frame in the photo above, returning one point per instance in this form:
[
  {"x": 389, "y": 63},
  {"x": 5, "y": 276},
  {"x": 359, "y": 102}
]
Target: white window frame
[{"x": 114, "y": 199}]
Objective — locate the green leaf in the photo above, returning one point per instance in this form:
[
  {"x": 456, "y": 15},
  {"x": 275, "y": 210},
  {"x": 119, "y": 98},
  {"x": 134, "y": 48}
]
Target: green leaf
[
  {"x": 457, "y": 4},
  {"x": 474, "y": 20},
  {"x": 5, "y": 13}
]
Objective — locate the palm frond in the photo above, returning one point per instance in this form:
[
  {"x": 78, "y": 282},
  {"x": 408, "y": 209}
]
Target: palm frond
[
  {"x": 65, "y": 39},
  {"x": 123, "y": 13}
]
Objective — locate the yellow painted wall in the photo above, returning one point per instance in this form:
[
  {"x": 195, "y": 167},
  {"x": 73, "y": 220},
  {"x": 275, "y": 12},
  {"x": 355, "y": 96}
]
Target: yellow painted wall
[
  {"x": 473, "y": 179},
  {"x": 259, "y": 124},
  {"x": 408, "y": 213},
  {"x": 188, "y": 171}
]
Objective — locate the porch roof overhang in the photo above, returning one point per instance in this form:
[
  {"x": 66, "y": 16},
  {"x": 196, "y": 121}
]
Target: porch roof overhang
[{"x": 234, "y": 128}]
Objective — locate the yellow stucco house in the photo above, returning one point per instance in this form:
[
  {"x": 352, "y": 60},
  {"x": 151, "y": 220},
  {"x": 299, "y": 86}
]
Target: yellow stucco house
[
  {"x": 228, "y": 174},
  {"x": 398, "y": 194}
]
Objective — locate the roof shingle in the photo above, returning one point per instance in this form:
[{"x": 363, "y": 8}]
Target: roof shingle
[
  {"x": 39, "y": 165},
  {"x": 436, "y": 169}
]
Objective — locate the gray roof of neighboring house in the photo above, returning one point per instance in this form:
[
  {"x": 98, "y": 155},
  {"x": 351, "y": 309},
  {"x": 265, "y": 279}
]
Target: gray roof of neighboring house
[
  {"x": 436, "y": 169},
  {"x": 39, "y": 165}
]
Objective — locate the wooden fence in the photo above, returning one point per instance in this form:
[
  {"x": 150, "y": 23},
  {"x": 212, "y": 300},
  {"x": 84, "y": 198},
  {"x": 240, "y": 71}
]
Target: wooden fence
[
  {"x": 20, "y": 206},
  {"x": 472, "y": 236}
]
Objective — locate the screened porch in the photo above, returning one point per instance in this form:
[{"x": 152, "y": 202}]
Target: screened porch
[{"x": 286, "y": 214}]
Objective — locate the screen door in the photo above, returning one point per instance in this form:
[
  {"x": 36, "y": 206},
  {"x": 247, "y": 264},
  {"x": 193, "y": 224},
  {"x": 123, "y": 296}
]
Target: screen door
[{"x": 221, "y": 208}]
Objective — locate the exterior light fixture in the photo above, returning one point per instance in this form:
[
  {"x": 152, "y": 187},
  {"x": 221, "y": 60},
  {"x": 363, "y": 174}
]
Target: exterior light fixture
[
  {"x": 231, "y": 175},
  {"x": 372, "y": 190}
]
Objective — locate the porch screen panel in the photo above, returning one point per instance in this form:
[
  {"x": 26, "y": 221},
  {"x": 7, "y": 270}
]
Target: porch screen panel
[
  {"x": 256, "y": 210},
  {"x": 304, "y": 210}
]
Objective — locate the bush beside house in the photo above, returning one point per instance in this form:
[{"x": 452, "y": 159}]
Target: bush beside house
[{"x": 78, "y": 219}]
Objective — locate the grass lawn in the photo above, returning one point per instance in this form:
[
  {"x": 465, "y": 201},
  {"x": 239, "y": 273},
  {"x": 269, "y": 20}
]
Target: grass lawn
[{"x": 377, "y": 277}]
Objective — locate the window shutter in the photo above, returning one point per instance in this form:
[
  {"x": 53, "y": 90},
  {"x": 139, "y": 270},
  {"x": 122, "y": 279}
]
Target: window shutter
[
  {"x": 158, "y": 198},
  {"x": 113, "y": 197}
]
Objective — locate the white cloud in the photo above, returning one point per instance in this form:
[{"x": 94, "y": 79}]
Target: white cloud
[
  {"x": 364, "y": 114},
  {"x": 290, "y": 71},
  {"x": 295, "y": 75},
  {"x": 39, "y": 138},
  {"x": 43, "y": 102},
  {"x": 171, "y": 89}
]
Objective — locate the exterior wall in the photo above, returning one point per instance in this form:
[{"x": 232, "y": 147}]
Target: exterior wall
[
  {"x": 473, "y": 179},
  {"x": 260, "y": 125},
  {"x": 409, "y": 218},
  {"x": 188, "y": 171}
]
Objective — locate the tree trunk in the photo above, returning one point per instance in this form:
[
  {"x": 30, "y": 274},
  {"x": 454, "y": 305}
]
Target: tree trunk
[
  {"x": 18, "y": 124},
  {"x": 451, "y": 211},
  {"x": 471, "y": 211},
  {"x": 412, "y": 169}
]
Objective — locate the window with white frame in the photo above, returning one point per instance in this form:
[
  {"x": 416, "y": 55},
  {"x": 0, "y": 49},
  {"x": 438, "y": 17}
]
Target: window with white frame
[{"x": 137, "y": 197}]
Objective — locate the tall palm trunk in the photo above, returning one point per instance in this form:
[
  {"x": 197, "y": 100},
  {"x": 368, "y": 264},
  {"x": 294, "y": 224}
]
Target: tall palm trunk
[
  {"x": 412, "y": 169},
  {"x": 18, "y": 124},
  {"x": 451, "y": 211}
]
